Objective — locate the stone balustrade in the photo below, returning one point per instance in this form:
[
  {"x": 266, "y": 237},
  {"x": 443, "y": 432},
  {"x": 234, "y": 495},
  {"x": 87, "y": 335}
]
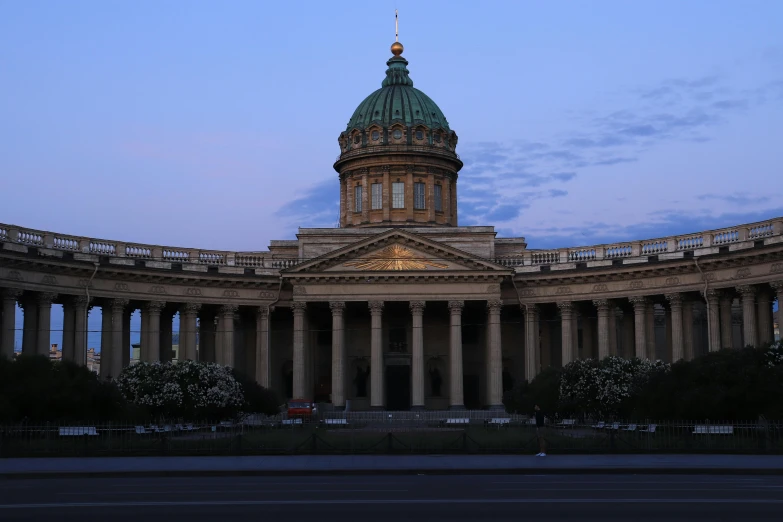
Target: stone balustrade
[{"x": 528, "y": 260}]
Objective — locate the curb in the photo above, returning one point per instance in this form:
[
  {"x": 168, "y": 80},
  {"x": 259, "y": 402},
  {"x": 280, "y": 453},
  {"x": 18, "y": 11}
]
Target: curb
[{"x": 376, "y": 472}]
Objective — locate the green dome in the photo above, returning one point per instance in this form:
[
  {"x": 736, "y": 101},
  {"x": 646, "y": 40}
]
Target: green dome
[{"x": 398, "y": 102}]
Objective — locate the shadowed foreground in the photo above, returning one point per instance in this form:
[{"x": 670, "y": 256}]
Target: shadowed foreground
[{"x": 499, "y": 498}]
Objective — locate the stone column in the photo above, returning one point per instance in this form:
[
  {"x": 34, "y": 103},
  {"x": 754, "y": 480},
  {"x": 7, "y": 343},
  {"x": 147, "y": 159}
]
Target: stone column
[
  {"x": 725, "y": 320},
  {"x": 338, "y": 354},
  {"x": 495, "y": 352},
  {"x": 687, "y": 329},
  {"x": 649, "y": 330},
  {"x": 575, "y": 333},
  {"x": 603, "y": 327},
  {"x": 30, "y": 328},
  {"x": 669, "y": 337},
  {"x": 126, "y": 335},
  {"x": 44, "y": 323},
  {"x": 417, "y": 355},
  {"x": 678, "y": 348},
  {"x": 80, "y": 309},
  {"x": 226, "y": 333},
  {"x": 187, "y": 331},
  {"x": 777, "y": 286},
  {"x": 456, "y": 400},
  {"x": 614, "y": 315},
  {"x": 376, "y": 354},
  {"x": 117, "y": 314},
  {"x": 531, "y": 341},
  {"x": 68, "y": 329},
  {"x": 764, "y": 302},
  {"x": 748, "y": 296},
  {"x": 151, "y": 334},
  {"x": 567, "y": 337},
  {"x": 263, "y": 359},
  {"x": 365, "y": 196},
  {"x": 640, "y": 325},
  {"x": 713, "y": 311},
  {"x": 299, "y": 308},
  {"x": 106, "y": 351},
  {"x": 167, "y": 335},
  {"x": 543, "y": 342},
  {"x": 8, "y": 334}
]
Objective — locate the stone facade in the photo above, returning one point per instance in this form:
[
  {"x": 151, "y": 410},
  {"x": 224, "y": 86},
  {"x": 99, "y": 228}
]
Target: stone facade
[{"x": 399, "y": 308}]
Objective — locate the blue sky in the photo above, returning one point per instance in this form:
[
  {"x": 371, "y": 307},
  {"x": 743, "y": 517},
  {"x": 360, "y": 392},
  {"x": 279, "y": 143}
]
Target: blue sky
[{"x": 214, "y": 125}]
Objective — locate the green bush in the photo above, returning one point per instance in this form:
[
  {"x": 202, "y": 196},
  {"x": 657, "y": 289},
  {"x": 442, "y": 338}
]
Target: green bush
[{"x": 34, "y": 389}]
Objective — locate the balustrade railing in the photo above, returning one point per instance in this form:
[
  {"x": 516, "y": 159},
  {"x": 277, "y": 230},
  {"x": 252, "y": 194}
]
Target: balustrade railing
[{"x": 707, "y": 242}]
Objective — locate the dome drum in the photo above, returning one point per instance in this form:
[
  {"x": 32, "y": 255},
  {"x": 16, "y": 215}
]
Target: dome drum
[{"x": 398, "y": 130}]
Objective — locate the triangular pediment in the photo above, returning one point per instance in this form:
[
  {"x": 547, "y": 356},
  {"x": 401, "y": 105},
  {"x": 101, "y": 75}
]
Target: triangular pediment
[{"x": 397, "y": 251}]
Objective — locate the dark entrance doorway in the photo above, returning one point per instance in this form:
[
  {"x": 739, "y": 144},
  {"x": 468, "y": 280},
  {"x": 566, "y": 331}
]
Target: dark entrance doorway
[
  {"x": 472, "y": 393},
  {"x": 398, "y": 388}
]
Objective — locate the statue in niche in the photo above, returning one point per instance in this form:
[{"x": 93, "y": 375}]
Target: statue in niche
[
  {"x": 361, "y": 381},
  {"x": 436, "y": 381}
]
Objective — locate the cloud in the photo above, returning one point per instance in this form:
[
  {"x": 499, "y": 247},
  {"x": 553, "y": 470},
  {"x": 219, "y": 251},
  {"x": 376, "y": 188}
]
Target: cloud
[
  {"x": 318, "y": 207},
  {"x": 662, "y": 224},
  {"x": 682, "y": 110}
]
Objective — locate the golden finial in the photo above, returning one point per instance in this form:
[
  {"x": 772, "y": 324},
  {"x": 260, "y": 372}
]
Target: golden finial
[{"x": 396, "y": 47}]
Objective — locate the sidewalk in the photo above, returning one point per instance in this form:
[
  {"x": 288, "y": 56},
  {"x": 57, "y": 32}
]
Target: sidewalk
[{"x": 381, "y": 464}]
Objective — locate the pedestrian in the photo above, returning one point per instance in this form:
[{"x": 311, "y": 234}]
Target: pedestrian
[{"x": 540, "y": 433}]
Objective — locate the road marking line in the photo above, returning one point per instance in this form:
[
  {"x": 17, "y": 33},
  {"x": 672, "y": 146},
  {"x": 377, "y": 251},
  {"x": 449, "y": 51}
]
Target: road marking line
[{"x": 218, "y": 503}]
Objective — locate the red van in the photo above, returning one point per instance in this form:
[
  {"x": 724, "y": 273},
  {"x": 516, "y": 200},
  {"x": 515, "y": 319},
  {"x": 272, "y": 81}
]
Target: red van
[{"x": 300, "y": 408}]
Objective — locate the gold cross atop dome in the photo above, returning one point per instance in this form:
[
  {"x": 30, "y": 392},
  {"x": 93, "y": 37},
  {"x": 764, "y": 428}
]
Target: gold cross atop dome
[{"x": 394, "y": 257}]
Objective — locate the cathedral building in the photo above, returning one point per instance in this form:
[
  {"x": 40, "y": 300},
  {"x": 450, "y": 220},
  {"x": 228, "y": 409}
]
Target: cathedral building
[{"x": 400, "y": 307}]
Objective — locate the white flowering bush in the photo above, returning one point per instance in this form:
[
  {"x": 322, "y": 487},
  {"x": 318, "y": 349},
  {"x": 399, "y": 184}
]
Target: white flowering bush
[
  {"x": 775, "y": 354},
  {"x": 186, "y": 390},
  {"x": 590, "y": 387}
]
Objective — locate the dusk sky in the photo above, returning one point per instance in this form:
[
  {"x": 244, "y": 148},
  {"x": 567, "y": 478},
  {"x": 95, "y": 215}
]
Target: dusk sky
[{"x": 215, "y": 124}]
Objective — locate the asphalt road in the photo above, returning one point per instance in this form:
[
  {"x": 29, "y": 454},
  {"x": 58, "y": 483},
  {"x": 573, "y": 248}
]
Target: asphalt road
[{"x": 394, "y": 498}]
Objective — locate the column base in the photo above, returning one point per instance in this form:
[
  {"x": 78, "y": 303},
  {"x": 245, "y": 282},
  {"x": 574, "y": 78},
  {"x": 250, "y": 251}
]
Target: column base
[
  {"x": 457, "y": 407},
  {"x": 417, "y": 408}
]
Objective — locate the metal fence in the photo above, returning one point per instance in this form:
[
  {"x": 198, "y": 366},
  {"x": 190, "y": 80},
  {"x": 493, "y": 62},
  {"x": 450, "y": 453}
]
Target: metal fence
[{"x": 361, "y": 433}]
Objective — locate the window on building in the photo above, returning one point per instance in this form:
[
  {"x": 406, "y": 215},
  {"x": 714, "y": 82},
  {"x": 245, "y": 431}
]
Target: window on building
[
  {"x": 438, "y": 198},
  {"x": 377, "y": 196},
  {"x": 418, "y": 196},
  {"x": 419, "y": 135},
  {"x": 376, "y": 135},
  {"x": 397, "y": 134},
  {"x": 357, "y": 199},
  {"x": 398, "y": 339},
  {"x": 398, "y": 195}
]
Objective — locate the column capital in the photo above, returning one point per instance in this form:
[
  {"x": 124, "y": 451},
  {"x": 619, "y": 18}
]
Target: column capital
[
  {"x": 566, "y": 307},
  {"x": 337, "y": 307},
  {"x": 11, "y": 293},
  {"x": 385, "y": 169},
  {"x": 494, "y": 306},
  {"x": 602, "y": 305},
  {"x": 118, "y": 305},
  {"x": 154, "y": 307},
  {"x": 417, "y": 307},
  {"x": 776, "y": 285},
  {"x": 190, "y": 308},
  {"x": 712, "y": 295},
  {"x": 638, "y": 301},
  {"x": 45, "y": 298},
  {"x": 746, "y": 291},
  {"x": 80, "y": 301},
  {"x": 228, "y": 309},
  {"x": 299, "y": 306},
  {"x": 376, "y": 307},
  {"x": 675, "y": 300},
  {"x": 529, "y": 308},
  {"x": 410, "y": 168},
  {"x": 455, "y": 307}
]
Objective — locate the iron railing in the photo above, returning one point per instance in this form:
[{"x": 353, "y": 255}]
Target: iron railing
[{"x": 360, "y": 433}]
